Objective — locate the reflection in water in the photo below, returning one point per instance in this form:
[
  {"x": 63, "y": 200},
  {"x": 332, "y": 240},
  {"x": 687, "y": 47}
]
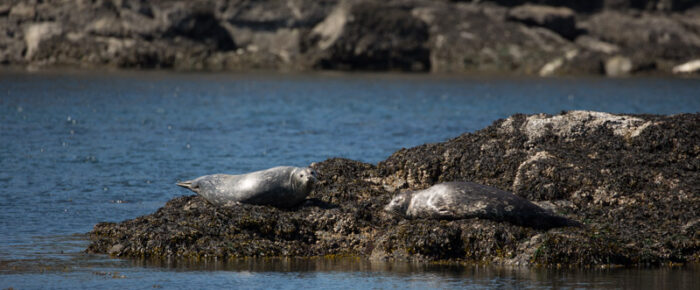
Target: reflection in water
[
  {"x": 338, "y": 272},
  {"x": 637, "y": 278}
]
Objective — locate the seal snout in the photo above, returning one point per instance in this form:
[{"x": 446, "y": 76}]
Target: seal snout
[
  {"x": 306, "y": 177},
  {"x": 389, "y": 208},
  {"x": 310, "y": 176},
  {"x": 189, "y": 184},
  {"x": 314, "y": 176},
  {"x": 399, "y": 204}
]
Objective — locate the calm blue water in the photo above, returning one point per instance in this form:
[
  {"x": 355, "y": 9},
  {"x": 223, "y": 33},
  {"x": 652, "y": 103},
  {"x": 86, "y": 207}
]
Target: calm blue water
[{"x": 80, "y": 148}]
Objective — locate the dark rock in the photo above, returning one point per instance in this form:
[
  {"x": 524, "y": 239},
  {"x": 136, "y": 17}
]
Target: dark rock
[
  {"x": 558, "y": 19},
  {"x": 632, "y": 180},
  {"x": 371, "y": 36},
  {"x": 272, "y": 15},
  {"x": 406, "y": 35},
  {"x": 647, "y": 36},
  {"x": 199, "y": 24},
  {"x": 5, "y": 9},
  {"x": 470, "y": 37},
  {"x": 270, "y": 34},
  {"x": 598, "y": 5},
  {"x": 660, "y": 5},
  {"x": 597, "y": 45},
  {"x": 22, "y": 12},
  {"x": 580, "y": 6}
]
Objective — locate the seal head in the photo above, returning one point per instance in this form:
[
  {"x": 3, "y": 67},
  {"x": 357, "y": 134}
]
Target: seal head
[
  {"x": 303, "y": 179},
  {"x": 399, "y": 204}
]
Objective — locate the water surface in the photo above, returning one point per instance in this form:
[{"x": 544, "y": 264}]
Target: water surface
[{"x": 80, "y": 148}]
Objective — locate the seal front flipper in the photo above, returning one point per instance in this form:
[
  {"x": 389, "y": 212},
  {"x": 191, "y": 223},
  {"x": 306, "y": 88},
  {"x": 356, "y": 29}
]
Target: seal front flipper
[
  {"x": 445, "y": 212},
  {"x": 442, "y": 207}
]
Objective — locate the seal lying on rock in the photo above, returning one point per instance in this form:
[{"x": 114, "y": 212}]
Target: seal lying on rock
[
  {"x": 283, "y": 186},
  {"x": 462, "y": 200}
]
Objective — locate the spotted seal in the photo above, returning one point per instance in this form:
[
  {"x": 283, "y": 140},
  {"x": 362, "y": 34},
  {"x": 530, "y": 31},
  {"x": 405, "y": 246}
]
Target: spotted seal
[
  {"x": 463, "y": 200},
  {"x": 283, "y": 186}
]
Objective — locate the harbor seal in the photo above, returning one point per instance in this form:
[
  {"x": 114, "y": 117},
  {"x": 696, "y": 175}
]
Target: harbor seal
[
  {"x": 283, "y": 186},
  {"x": 463, "y": 200}
]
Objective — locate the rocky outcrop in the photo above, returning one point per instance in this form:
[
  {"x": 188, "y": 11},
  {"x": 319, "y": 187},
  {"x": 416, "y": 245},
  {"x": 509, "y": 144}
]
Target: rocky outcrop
[
  {"x": 541, "y": 37},
  {"x": 649, "y": 39},
  {"x": 631, "y": 180},
  {"x": 370, "y": 36}
]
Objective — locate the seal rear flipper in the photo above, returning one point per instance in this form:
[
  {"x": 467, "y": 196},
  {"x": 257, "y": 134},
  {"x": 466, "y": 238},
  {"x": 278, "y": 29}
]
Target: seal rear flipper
[{"x": 554, "y": 221}]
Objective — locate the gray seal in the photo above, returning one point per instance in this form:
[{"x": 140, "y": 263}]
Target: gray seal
[
  {"x": 283, "y": 186},
  {"x": 463, "y": 200}
]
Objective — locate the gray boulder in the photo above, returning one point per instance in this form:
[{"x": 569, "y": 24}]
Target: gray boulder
[
  {"x": 618, "y": 66},
  {"x": 650, "y": 40}
]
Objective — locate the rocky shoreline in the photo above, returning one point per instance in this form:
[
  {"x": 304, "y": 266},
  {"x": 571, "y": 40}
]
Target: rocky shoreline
[
  {"x": 633, "y": 181},
  {"x": 540, "y": 37}
]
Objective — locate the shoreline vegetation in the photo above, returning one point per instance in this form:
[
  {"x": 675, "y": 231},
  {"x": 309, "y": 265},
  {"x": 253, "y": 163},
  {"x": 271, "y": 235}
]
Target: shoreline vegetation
[
  {"x": 536, "y": 37},
  {"x": 631, "y": 180}
]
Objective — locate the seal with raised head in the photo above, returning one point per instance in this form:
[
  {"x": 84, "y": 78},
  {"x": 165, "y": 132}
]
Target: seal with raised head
[
  {"x": 283, "y": 186},
  {"x": 463, "y": 200}
]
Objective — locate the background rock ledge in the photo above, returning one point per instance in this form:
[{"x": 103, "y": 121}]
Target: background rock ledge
[{"x": 532, "y": 37}]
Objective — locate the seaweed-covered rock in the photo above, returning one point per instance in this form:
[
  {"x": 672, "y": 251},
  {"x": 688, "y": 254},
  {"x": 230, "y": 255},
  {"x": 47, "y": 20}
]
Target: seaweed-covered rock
[{"x": 632, "y": 180}]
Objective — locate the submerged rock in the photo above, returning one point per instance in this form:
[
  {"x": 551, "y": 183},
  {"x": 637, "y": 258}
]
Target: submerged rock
[{"x": 633, "y": 181}]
